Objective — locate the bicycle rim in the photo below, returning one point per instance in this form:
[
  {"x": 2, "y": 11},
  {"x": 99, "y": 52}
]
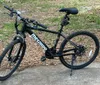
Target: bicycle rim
[
  {"x": 91, "y": 46},
  {"x": 12, "y": 57}
]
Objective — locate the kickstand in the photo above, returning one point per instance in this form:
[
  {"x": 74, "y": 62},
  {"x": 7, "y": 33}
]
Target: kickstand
[{"x": 72, "y": 63}]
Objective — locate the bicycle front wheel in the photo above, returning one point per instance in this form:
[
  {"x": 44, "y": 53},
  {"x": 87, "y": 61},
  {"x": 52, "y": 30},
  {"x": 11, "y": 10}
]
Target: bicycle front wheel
[
  {"x": 11, "y": 58},
  {"x": 85, "y": 51}
]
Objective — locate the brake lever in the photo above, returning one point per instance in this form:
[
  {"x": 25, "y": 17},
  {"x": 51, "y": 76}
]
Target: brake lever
[{"x": 11, "y": 14}]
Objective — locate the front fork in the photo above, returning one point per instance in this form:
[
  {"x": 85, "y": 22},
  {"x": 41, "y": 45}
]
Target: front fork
[{"x": 21, "y": 39}]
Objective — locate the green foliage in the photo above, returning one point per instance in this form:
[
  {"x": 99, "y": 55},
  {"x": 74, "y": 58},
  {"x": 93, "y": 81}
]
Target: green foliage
[
  {"x": 46, "y": 11},
  {"x": 20, "y": 1},
  {"x": 6, "y": 31},
  {"x": 1, "y": 1}
]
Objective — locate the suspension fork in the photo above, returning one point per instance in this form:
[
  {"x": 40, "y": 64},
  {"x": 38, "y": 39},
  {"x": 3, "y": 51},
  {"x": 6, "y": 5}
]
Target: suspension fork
[
  {"x": 16, "y": 56},
  {"x": 21, "y": 39}
]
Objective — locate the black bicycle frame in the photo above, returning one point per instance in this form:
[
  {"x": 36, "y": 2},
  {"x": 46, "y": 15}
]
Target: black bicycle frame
[
  {"x": 29, "y": 29},
  {"x": 44, "y": 46}
]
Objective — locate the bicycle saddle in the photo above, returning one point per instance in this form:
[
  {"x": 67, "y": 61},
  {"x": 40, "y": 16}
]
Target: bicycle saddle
[{"x": 69, "y": 10}]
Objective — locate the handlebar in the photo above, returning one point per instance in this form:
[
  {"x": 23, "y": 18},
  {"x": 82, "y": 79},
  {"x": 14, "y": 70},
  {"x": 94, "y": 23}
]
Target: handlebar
[
  {"x": 23, "y": 19},
  {"x": 8, "y": 8},
  {"x": 37, "y": 23}
]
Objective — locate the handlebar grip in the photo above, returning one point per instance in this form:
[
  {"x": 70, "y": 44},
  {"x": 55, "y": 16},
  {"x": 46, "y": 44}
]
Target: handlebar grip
[
  {"x": 41, "y": 25},
  {"x": 8, "y": 8}
]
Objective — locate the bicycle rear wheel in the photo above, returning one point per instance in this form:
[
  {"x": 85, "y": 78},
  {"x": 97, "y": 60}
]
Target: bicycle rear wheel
[
  {"x": 85, "y": 52},
  {"x": 11, "y": 58}
]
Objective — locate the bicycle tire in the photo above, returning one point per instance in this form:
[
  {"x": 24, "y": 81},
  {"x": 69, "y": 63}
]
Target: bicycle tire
[
  {"x": 84, "y": 33},
  {"x": 7, "y": 49}
]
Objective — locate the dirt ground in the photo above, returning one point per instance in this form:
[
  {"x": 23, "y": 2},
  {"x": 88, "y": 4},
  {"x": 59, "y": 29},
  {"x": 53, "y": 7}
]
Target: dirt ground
[{"x": 34, "y": 53}]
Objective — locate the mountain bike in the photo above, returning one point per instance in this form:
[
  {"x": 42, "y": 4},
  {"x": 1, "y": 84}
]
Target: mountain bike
[{"x": 76, "y": 51}]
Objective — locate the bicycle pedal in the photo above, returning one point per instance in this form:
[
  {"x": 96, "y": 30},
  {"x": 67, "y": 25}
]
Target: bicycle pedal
[{"x": 43, "y": 58}]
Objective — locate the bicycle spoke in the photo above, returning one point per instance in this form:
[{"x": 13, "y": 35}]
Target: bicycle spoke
[{"x": 86, "y": 49}]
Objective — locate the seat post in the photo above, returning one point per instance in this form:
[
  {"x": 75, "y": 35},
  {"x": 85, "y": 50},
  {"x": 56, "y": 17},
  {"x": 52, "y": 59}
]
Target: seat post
[{"x": 65, "y": 20}]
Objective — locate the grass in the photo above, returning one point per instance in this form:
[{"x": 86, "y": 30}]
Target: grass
[
  {"x": 46, "y": 11},
  {"x": 7, "y": 31}
]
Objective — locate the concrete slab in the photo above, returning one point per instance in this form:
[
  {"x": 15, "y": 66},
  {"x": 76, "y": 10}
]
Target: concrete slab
[{"x": 56, "y": 75}]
